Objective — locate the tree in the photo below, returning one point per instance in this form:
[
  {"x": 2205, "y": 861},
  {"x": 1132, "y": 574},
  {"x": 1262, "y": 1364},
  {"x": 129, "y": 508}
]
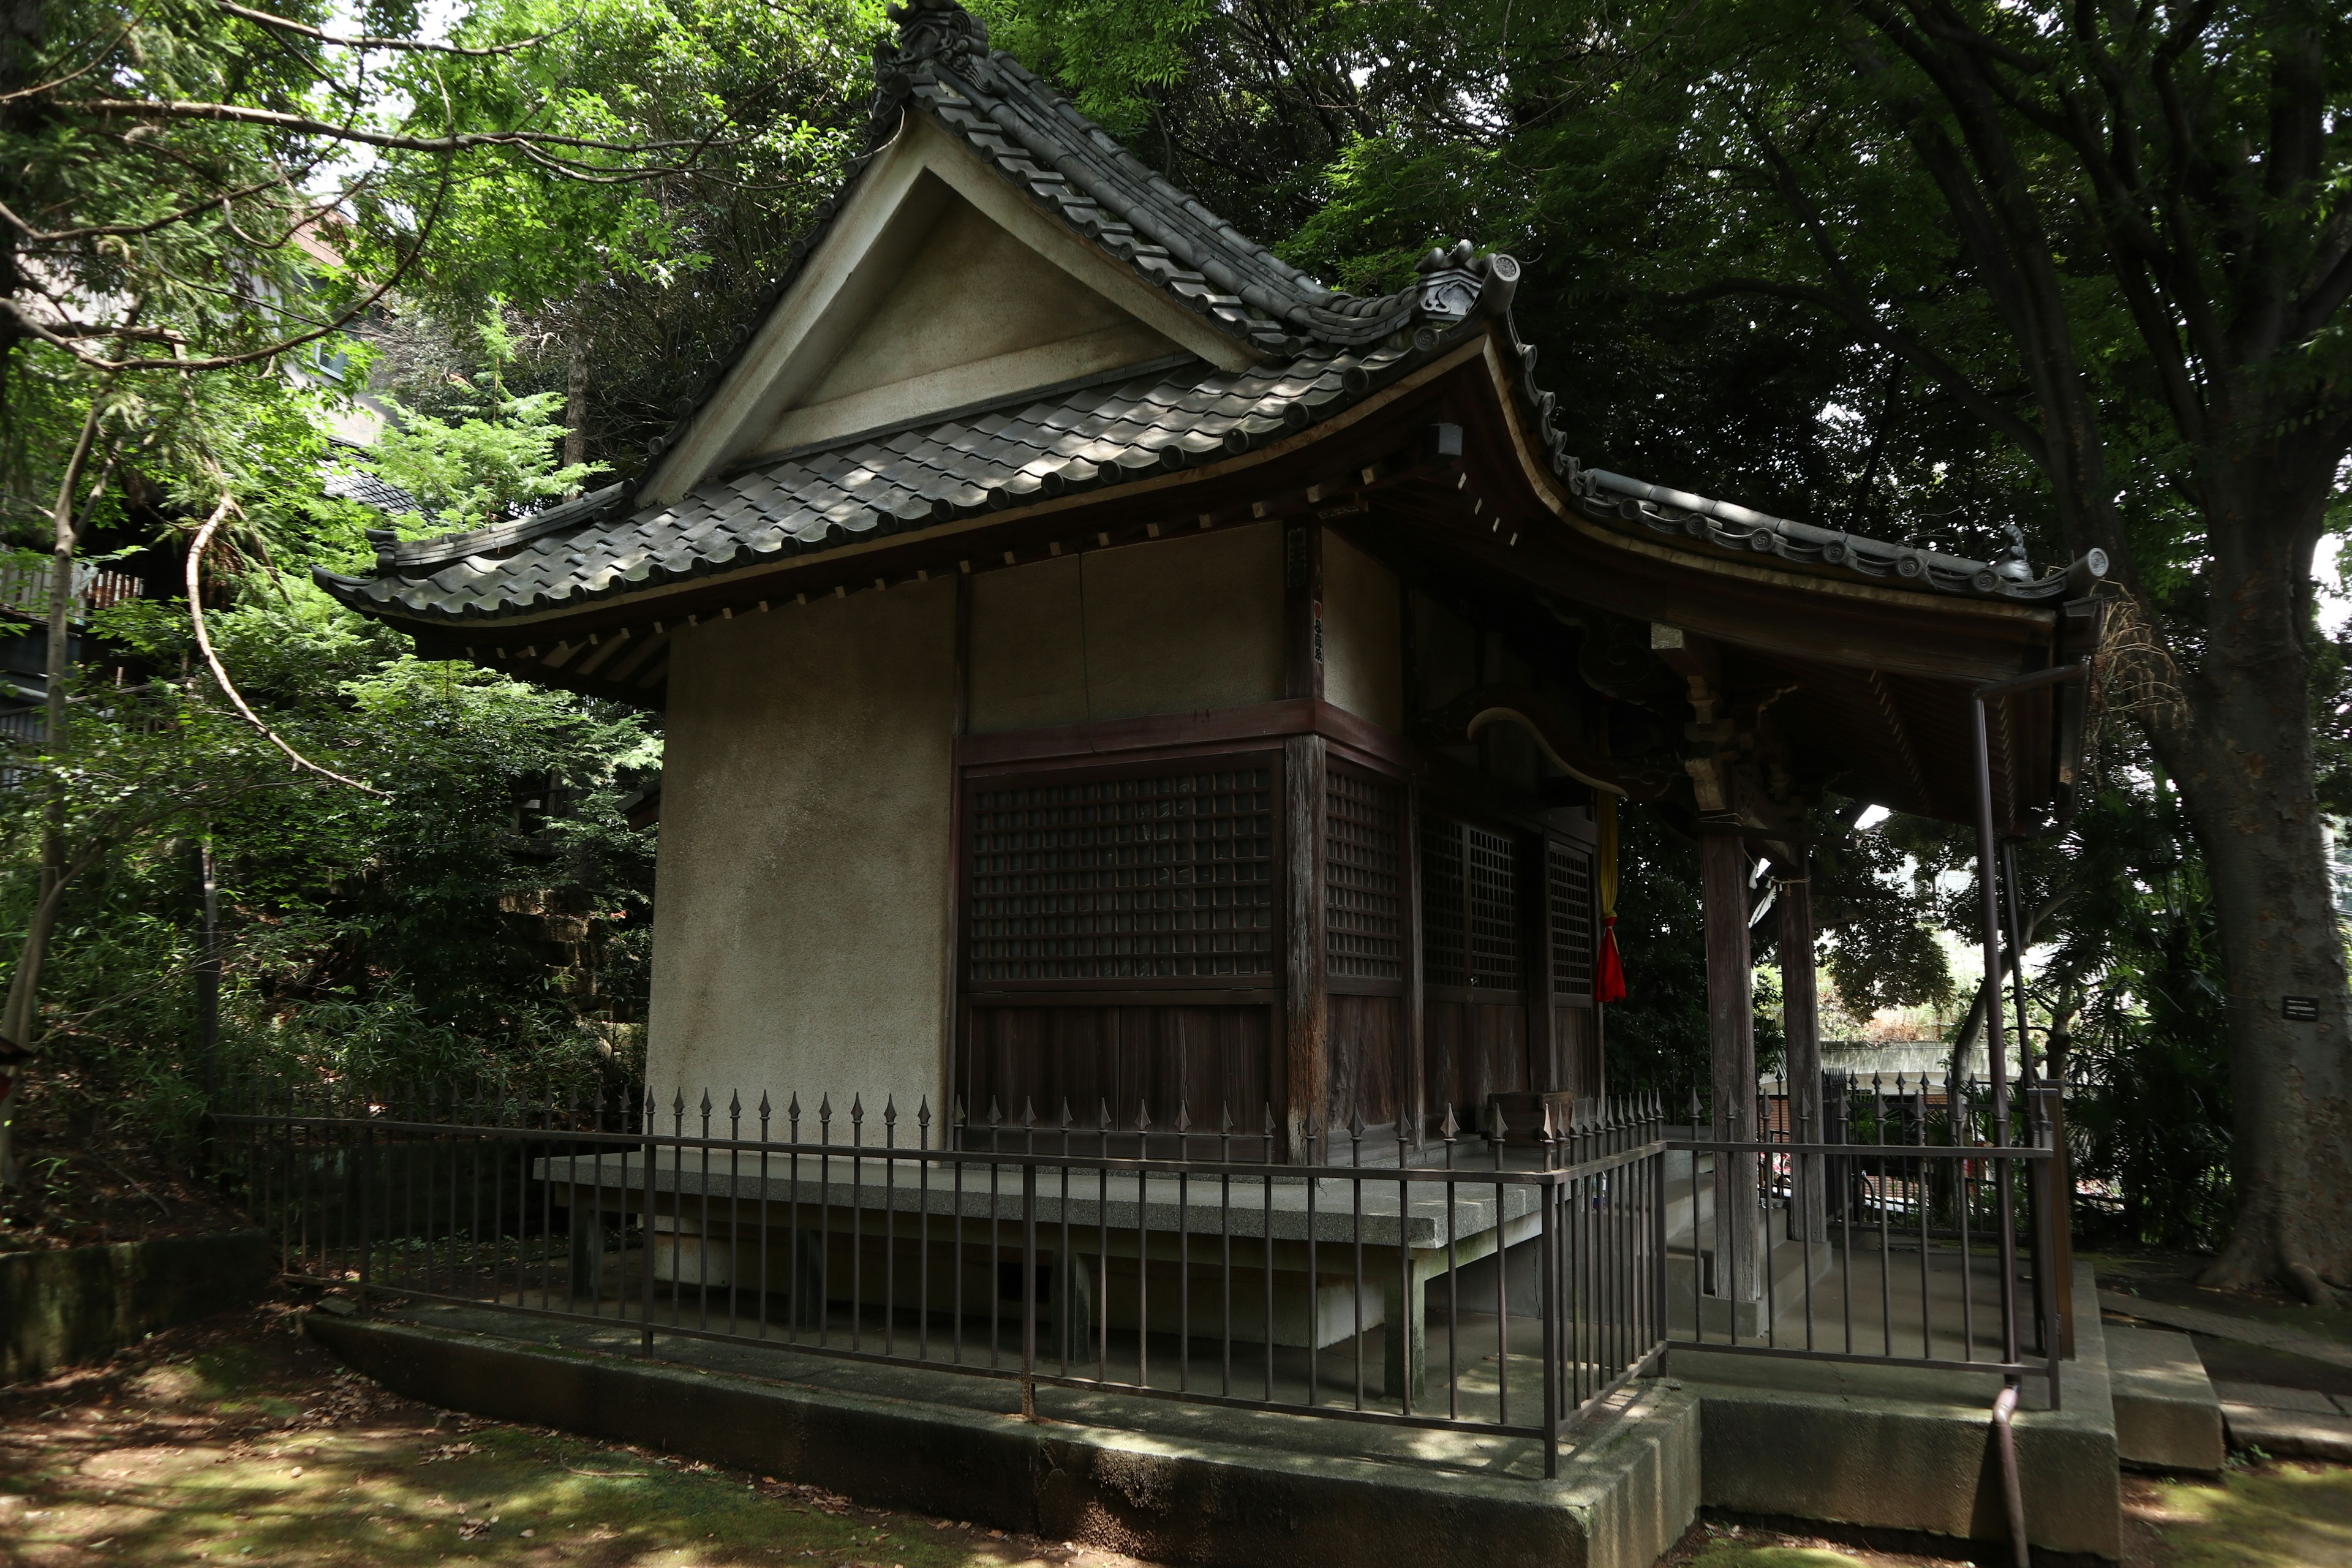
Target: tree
[
  {"x": 196, "y": 195},
  {"x": 2144, "y": 291}
]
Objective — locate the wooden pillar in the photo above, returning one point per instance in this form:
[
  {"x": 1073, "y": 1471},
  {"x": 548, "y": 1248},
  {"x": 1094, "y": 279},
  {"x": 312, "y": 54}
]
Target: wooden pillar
[
  {"x": 1305, "y": 982},
  {"x": 1306, "y": 1053},
  {"x": 1545, "y": 1070},
  {"x": 1807, "y": 1212},
  {"x": 1731, "y": 1040},
  {"x": 1415, "y": 1090}
]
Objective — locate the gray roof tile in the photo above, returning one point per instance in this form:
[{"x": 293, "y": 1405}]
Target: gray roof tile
[{"x": 1323, "y": 350}]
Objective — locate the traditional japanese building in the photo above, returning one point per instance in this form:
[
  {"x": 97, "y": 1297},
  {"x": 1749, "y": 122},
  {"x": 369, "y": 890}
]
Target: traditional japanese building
[{"x": 1102, "y": 665}]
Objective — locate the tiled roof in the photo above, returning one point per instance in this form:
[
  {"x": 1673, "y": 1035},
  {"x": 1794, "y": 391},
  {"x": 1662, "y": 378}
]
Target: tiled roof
[
  {"x": 892, "y": 482},
  {"x": 1320, "y": 349},
  {"x": 348, "y": 483}
]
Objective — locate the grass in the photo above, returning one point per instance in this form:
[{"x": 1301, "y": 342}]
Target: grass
[
  {"x": 237, "y": 1442},
  {"x": 2273, "y": 1514}
]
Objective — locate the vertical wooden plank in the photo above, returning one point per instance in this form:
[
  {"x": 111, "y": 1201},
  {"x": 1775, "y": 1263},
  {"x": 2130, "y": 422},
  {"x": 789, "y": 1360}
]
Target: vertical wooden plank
[
  {"x": 1731, "y": 1040},
  {"x": 1302, "y": 610},
  {"x": 1808, "y": 1217},
  {"x": 961, "y": 1023},
  {"x": 1415, "y": 1087},
  {"x": 1545, "y": 1071},
  {"x": 1307, "y": 999}
]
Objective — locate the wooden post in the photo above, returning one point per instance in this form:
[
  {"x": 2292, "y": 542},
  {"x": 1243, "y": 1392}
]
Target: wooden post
[
  {"x": 1807, "y": 1215},
  {"x": 1306, "y": 990},
  {"x": 1545, "y": 1068},
  {"x": 1731, "y": 1039},
  {"x": 1415, "y": 1090}
]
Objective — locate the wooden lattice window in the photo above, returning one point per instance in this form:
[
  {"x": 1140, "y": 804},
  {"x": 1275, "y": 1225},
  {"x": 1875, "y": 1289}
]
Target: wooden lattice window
[
  {"x": 1492, "y": 880},
  {"x": 1445, "y": 937},
  {"x": 1469, "y": 906},
  {"x": 1167, "y": 876},
  {"x": 1363, "y": 828},
  {"x": 1570, "y": 869}
]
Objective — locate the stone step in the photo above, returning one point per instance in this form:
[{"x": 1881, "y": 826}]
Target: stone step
[
  {"x": 2168, "y": 1416},
  {"x": 2286, "y": 1423}
]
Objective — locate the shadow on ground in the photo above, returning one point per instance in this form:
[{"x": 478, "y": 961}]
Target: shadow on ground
[
  {"x": 2268, "y": 1514},
  {"x": 235, "y": 1441}
]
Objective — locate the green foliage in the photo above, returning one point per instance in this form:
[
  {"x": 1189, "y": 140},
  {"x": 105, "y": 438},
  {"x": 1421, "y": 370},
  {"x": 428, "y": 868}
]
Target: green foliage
[
  {"x": 398, "y": 937},
  {"x": 481, "y": 468}
]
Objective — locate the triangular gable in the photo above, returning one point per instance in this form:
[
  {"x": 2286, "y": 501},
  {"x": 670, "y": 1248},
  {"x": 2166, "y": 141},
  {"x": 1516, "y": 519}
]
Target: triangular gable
[{"x": 936, "y": 287}]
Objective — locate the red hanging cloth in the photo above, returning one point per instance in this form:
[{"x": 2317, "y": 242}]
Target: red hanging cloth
[{"x": 1609, "y": 973}]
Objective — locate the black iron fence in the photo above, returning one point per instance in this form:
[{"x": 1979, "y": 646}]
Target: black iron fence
[
  {"x": 1919, "y": 1223},
  {"x": 1502, "y": 1282}
]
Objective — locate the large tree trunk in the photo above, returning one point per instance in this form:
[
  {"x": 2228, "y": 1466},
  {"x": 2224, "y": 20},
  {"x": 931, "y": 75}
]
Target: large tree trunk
[{"x": 2244, "y": 763}]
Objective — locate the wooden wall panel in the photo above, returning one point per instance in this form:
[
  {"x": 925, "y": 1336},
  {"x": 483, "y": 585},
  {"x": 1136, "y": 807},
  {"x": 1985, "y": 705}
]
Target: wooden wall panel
[
  {"x": 1369, "y": 1064},
  {"x": 1580, "y": 1045},
  {"x": 1473, "y": 1050},
  {"x": 1205, "y": 1059}
]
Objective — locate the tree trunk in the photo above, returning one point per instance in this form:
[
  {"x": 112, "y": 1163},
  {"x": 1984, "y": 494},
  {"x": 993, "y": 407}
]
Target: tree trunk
[
  {"x": 21, "y": 1012},
  {"x": 2244, "y": 765}
]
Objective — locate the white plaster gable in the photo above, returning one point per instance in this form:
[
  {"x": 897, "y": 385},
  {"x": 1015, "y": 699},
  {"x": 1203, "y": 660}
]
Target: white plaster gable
[{"x": 937, "y": 286}]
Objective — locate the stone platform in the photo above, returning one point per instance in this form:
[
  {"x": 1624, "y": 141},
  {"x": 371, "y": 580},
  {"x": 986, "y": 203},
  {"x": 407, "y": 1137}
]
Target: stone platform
[
  {"x": 1173, "y": 1483},
  {"x": 1878, "y": 1447}
]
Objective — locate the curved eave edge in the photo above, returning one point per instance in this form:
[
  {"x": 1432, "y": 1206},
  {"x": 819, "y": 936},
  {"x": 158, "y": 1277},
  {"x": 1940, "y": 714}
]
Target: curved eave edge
[
  {"x": 1722, "y": 531},
  {"x": 1430, "y": 345}
]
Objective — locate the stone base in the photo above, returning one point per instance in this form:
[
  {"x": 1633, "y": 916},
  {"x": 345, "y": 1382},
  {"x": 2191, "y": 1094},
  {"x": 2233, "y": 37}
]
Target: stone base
[
  {"x": 2166, "y": 1415},
  {"x": 1189, "y": 1485}
]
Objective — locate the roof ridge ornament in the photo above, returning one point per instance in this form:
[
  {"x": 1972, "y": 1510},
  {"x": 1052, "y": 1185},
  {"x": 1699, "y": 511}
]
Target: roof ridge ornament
[
  {"x": 937, "y": 29},
  {"x": 1460, "y": 283},
  {"x": 931, "y": 33}
]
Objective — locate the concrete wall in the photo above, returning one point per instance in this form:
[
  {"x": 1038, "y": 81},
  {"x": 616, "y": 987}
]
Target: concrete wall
[
  {"x": 1363, "y": 656},
  {"x": 83, "y": 1303},
  {"x": 800, "y": 935},
  {"x": 1175, "y": 627}
]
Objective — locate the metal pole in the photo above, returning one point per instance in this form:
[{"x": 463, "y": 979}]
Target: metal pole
[
  {"x": 1996, "y": 1045},
  {"x": 2027, "y": 1075}
]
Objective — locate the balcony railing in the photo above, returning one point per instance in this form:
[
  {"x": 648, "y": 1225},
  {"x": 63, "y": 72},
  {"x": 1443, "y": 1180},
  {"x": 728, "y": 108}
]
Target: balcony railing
[{"x": 24, "y": 589}]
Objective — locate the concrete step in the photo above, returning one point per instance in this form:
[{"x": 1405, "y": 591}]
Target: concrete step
[
  {"x": 2285, "y": 1423},
  {"x": 2168, "y": 1416},
  {"x": 1724, "y": 1316}
]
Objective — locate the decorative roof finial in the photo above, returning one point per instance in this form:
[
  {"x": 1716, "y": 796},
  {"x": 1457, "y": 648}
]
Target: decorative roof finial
[
  {"x": 2013, "y": 564},
  {"x": 1459, "y": 283},
  {"x": 937, "y": 29}
]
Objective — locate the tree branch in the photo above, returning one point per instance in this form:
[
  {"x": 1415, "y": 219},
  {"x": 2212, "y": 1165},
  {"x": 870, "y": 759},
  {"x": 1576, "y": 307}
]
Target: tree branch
[
  {"x": 1894, "y": 340},
  {"x": 419, "y": 46},
  {"x": 202, "y": 542}
]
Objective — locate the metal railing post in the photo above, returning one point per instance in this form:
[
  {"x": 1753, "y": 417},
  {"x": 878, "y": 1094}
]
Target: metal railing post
[
  {"x": 1029, "y": 1292},
  {"x": 645, "y": 1264},
  {"x": 1548, "y": 1283}
]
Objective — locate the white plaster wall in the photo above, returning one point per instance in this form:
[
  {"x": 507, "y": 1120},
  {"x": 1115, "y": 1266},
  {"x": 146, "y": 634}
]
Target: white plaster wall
[
  {"x": 1363, "y": 656},
  {"x": 975, "y": 313},
  {"x": 1179, "y": 626},
  {"x": 800, "y": 926}
]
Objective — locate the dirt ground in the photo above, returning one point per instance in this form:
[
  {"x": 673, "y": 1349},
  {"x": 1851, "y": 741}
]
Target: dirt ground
[
  {"x": 2266, "y": 1514},
  {"x": 237, "y": 1441}
]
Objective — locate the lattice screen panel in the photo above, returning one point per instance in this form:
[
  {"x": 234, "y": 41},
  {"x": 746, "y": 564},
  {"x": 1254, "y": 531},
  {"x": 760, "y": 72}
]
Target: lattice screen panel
[
  {"x": 1165, "y": 876},
  {"x": 1363, "y": 837},
  {"x": 1445, "y": 937},
  {"x": 1572, "y": 944},
  {"x": 1491, "y": 876}
]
